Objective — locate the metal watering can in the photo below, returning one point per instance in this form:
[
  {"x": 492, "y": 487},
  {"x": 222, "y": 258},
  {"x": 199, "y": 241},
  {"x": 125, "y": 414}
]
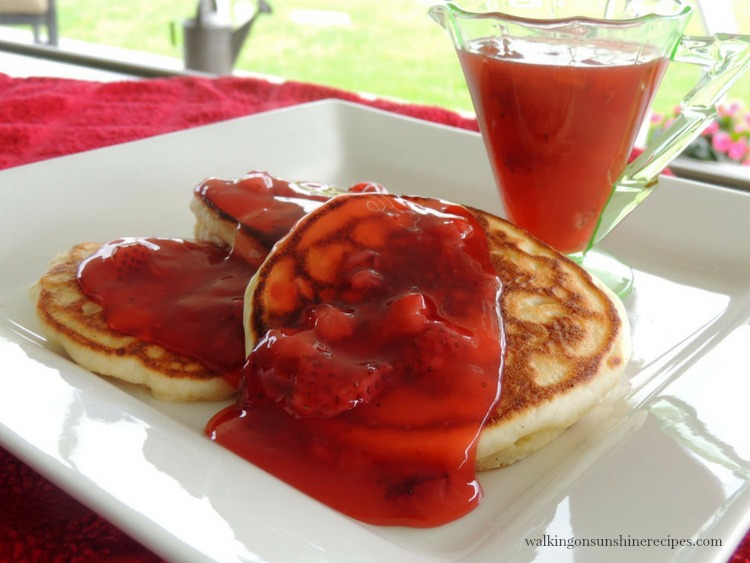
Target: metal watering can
[{"x": 210, "y": 43}]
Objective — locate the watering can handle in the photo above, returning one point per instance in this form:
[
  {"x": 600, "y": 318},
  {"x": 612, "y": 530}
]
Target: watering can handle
[
  {"x": 204, "y": 8},
  {"x": 725, "y": 58}
]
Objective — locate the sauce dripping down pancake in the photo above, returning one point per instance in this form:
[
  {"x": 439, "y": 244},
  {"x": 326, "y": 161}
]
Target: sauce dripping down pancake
[
  {"x": 381, "y": 361},
  {"x": 186, "y": 296}
]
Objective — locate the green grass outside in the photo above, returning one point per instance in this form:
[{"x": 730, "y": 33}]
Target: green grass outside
[{"x": 389, "y": 48}]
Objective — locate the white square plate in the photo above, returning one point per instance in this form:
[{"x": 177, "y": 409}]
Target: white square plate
[{"x": 664, "y": 462}]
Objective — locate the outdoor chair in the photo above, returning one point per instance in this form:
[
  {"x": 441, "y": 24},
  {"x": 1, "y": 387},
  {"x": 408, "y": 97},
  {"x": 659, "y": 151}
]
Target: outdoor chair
[{"x": 36, "y": 13}]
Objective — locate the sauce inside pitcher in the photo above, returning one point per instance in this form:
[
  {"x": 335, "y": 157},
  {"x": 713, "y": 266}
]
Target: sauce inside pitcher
[{"x": 559, "y": 123}]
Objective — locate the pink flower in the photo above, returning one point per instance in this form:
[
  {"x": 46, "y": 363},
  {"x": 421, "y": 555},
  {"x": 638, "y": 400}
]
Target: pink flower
[
  {"x": 656, "y": 118},
  {"x": 731, "y": 109},
  {"x": 728, "y": 132},
  {"x": 721, "y": 141},
  {"x": 711, "y": 128},
  {"x": 737, "y": 149}
]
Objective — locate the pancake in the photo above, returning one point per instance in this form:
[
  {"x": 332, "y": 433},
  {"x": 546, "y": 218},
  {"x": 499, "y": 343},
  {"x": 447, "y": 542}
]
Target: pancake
[
  {"x": 219, "y": 228},
  {"x": 567, "y": 336},
  {"x": 250, "y": 213},
  {"x": 70, "y": 319},
  {"x": 567, "y": 344}
]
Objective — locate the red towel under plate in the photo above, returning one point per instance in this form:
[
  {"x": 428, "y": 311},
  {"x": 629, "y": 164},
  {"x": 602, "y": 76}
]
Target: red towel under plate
[
  {"x": 42, "y": 118},
  {"x": 46, "y": 117}
]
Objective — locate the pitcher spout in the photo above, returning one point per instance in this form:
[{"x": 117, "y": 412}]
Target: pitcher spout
[{"x": 444, "y": 14}]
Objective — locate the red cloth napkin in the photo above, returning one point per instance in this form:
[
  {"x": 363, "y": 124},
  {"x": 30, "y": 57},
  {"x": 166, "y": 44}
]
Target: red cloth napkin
[{"x": 47, "y": 117}]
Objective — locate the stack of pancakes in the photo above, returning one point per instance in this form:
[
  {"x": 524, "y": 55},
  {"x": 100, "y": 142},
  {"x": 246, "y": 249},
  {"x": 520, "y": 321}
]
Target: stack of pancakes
[{"x": 567, "y": 336}]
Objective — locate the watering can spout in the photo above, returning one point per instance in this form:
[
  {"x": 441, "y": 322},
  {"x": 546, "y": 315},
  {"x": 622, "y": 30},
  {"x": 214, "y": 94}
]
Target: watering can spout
[
  {"x": 211, "y": 43},
  {"x": 240, "y": 34}
]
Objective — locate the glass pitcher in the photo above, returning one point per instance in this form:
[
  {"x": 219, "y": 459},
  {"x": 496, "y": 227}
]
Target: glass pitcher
[{"x": 561, "y": 89}]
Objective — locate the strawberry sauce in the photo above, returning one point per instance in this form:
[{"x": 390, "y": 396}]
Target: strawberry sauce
[
  {"x": 370, "y": 387},
  {"x": 186, "y": 296},
  {"x": 265, "y": 207}
]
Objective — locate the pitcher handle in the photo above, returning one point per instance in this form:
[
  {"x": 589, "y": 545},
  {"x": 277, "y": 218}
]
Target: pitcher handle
[{"x": 725, "y": 57}]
